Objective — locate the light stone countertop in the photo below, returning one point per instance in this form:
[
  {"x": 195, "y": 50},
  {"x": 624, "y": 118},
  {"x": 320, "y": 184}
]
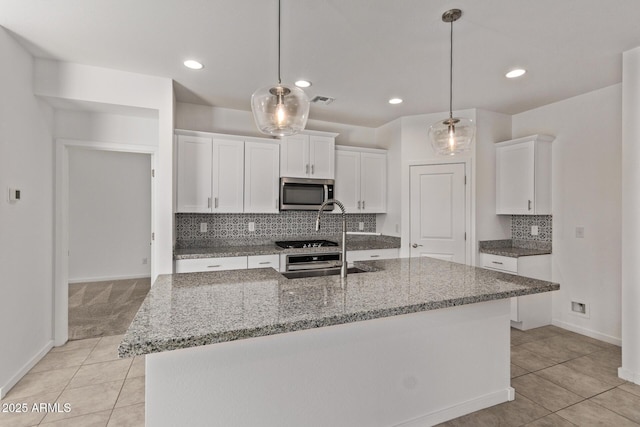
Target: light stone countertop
[
  {"x": 194, "y": 309},
  {"x": 514, "y": 248}
]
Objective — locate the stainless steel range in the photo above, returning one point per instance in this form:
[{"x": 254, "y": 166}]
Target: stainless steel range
[{"x": 311, "y": 260}]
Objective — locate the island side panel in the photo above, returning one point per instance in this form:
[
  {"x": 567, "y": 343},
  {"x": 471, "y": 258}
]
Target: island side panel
[{"x": 414, "y": 369}]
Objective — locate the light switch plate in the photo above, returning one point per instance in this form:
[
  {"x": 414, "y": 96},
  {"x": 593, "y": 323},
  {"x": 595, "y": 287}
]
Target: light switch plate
[
  {"x": 361, "y": 226},
  {"x": 534, "y": 230},
  {"x": 203, "y": 227},
  {"x": 252, "y": 226}
]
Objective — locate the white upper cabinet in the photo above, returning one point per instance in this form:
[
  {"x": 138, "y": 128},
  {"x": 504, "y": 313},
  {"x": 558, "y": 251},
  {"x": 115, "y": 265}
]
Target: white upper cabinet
[
  {"x": 194, "y": 169},
  {"x": 523, "y": 176},
  {"x": 228, "y": 176},
  {"x": 308, "y": 155},
  {"x": 361, "y": 179},
  {"x": 261, "y": 177}
]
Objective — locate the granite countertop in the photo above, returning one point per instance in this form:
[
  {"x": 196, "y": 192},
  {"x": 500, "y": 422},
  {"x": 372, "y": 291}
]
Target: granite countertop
[
  {"x": 247, "y": 247},
  {"x": 194, "y": 309},
  {"x": 514, "y": 248}
]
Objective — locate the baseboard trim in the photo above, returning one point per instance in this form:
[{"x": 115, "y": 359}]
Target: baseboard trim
[
  {"x": 25, "y": 368},
  {"x": 107, "y": 278},
  {"x": 629, "y": 375},
  {"x": 588, "y": 332},
  {"x": 461, "y": 409}
]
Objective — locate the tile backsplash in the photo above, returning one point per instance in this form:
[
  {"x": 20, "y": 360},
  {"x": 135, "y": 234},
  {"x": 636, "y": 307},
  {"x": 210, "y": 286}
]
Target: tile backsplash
[
  {"x": 521, "y": 227},
  {"x": 288, "y": 224}
]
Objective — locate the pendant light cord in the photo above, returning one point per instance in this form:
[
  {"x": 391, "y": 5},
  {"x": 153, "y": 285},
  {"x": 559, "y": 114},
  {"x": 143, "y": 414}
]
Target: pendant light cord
[
  {"x": 279, "y": 13},
  {"x": 451, "y": 73}
]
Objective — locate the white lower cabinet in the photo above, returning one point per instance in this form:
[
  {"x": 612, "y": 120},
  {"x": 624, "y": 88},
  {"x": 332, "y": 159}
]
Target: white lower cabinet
[
  {"x": 211, "y": 264},
  {"x": 529, "y": 311},
  {"x": 372, "y": 255},
  {"x": 264, "y": 261}
]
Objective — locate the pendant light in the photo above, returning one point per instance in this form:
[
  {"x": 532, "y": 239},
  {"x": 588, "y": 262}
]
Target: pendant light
[
  {"x": 455, "y": 134},
  {"x": 280, "y": 110}
]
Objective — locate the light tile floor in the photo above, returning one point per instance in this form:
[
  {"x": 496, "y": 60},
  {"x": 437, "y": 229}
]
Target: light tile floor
[
  {"x": 561, "y": 379},
  {"x": 100, "y": 389}
]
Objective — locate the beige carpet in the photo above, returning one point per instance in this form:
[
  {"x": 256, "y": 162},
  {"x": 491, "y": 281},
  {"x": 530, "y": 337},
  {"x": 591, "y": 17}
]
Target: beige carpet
[{"x": 98, "y": 309}]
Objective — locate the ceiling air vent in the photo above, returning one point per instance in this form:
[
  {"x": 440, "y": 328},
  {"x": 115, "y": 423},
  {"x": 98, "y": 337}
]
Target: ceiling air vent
[{"x": 322, "y": 100}]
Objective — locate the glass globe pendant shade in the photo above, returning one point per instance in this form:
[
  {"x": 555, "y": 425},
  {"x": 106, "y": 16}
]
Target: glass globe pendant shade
[
  {"x": 280, "y": 110},
  {"x": 452, "y": 136}
]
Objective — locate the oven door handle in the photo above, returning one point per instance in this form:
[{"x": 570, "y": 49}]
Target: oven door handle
[{"x": 313, "y": 265}]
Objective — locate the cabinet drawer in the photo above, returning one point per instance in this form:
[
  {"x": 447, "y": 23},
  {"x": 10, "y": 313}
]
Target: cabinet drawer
[
  {"x": 211, "y": 264},
  {"x": 500, "y": 263},
  {"x": 372, "y": 255},
  {"x": 264, "y": 261}
]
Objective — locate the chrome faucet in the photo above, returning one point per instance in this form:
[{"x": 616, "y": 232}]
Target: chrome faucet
[{"x": 344, "y": 265}]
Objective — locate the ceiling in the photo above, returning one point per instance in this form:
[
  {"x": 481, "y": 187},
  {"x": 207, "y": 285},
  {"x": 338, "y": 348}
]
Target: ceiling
[{"x": 360, "y": 52}]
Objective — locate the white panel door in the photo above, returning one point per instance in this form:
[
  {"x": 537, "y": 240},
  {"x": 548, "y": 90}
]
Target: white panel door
[
  {"x": 228, "y": 175},
  {"x": 373, "y": 182},
  {"x": 262, "y": 163},
  {"x": 438, "y": 212},
  {"x": 347, "y": 185},
  {"x": 321, "y": 157},
  {"x": 294, "y": 156},
  {"x": 515, "y": 178},
  {"x": 194, "y": 168}
]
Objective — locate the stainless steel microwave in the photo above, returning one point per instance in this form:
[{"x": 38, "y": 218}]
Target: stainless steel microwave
[{"x": 303, "y": 194}]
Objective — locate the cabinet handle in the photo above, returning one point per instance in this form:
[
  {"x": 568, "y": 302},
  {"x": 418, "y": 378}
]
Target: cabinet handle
[
  {"x": 359, "y": 203},
  {"x": 213, "y": 266},
  {"x": 363, "y": 205},
  {"x": 529, "y": 205},
  {"x": 496, "y": 262},
  {"x": 374, "y": 256},
  {"x": 215, "y": 204},
  {"x": 264, "y": 262},
  {"x": 312, "y": 169},
  {"x": 306, "y": 169},
  {"x": 209, "y": 202}
]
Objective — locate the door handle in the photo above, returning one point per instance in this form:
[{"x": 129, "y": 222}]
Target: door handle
[{"x": 415, "y": 245}]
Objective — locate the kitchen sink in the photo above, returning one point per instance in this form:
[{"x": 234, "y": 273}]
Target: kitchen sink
[{"x": 322, "y": 272}]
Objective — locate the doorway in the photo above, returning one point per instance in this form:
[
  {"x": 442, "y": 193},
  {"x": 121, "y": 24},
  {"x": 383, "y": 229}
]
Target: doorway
[
  {"x": 439, "y": 212},
  {"x": 95, "y": 200},
  {"x": 109, "y": 240}
]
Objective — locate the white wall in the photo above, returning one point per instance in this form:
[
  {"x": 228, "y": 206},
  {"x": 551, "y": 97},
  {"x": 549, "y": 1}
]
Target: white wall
[
  {"x": 106, "y": 127},
  {"x": 236, "y": 122},
  {"x": 109, "y": 215},
  {"x": 586, "y": 187},
  {"x": 26, "y": 227},
  {"x": 630, "y": 369}
]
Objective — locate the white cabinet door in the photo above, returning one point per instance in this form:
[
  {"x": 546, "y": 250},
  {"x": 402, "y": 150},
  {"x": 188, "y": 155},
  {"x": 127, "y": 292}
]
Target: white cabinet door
[
  {"x": 321, "y": 157},
  {"x": 347, "y": 185},
  {"x": 228, "y": 175},
  {"x": 211, "y": 264},
  {"x": 261, "y": 171},
  {"x": 371, "y": 255},
  {"x": 264, "y": 261},
  {"x": 373, "y": 182},
  {"x": 194, "y": 169},
  {"x": 515, "y": 178},
  {"x": 523, "y": 176},
  {"x": 294, "y": 156}
]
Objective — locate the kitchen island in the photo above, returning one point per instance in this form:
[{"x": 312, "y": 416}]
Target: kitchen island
[{"x": 414, "y": 341}]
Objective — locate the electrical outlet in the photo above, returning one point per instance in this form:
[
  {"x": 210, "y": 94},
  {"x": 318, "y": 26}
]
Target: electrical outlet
[
  {"x": 361, "y": 226},
  {"x": 580, "y": 232},
  {"x": 203, "y": 227},
  {"x": 534, "y": 230},
  {"x": 252, "y": 226}
]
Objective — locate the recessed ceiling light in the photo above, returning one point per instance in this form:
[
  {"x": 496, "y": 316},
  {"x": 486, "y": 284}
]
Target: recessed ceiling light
[
  {"x": 395, "y": 101},
  {"x": 515, "y": 73},
  {"x": 194, "y": 65},
  {"x": 303, "y": 83}
]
